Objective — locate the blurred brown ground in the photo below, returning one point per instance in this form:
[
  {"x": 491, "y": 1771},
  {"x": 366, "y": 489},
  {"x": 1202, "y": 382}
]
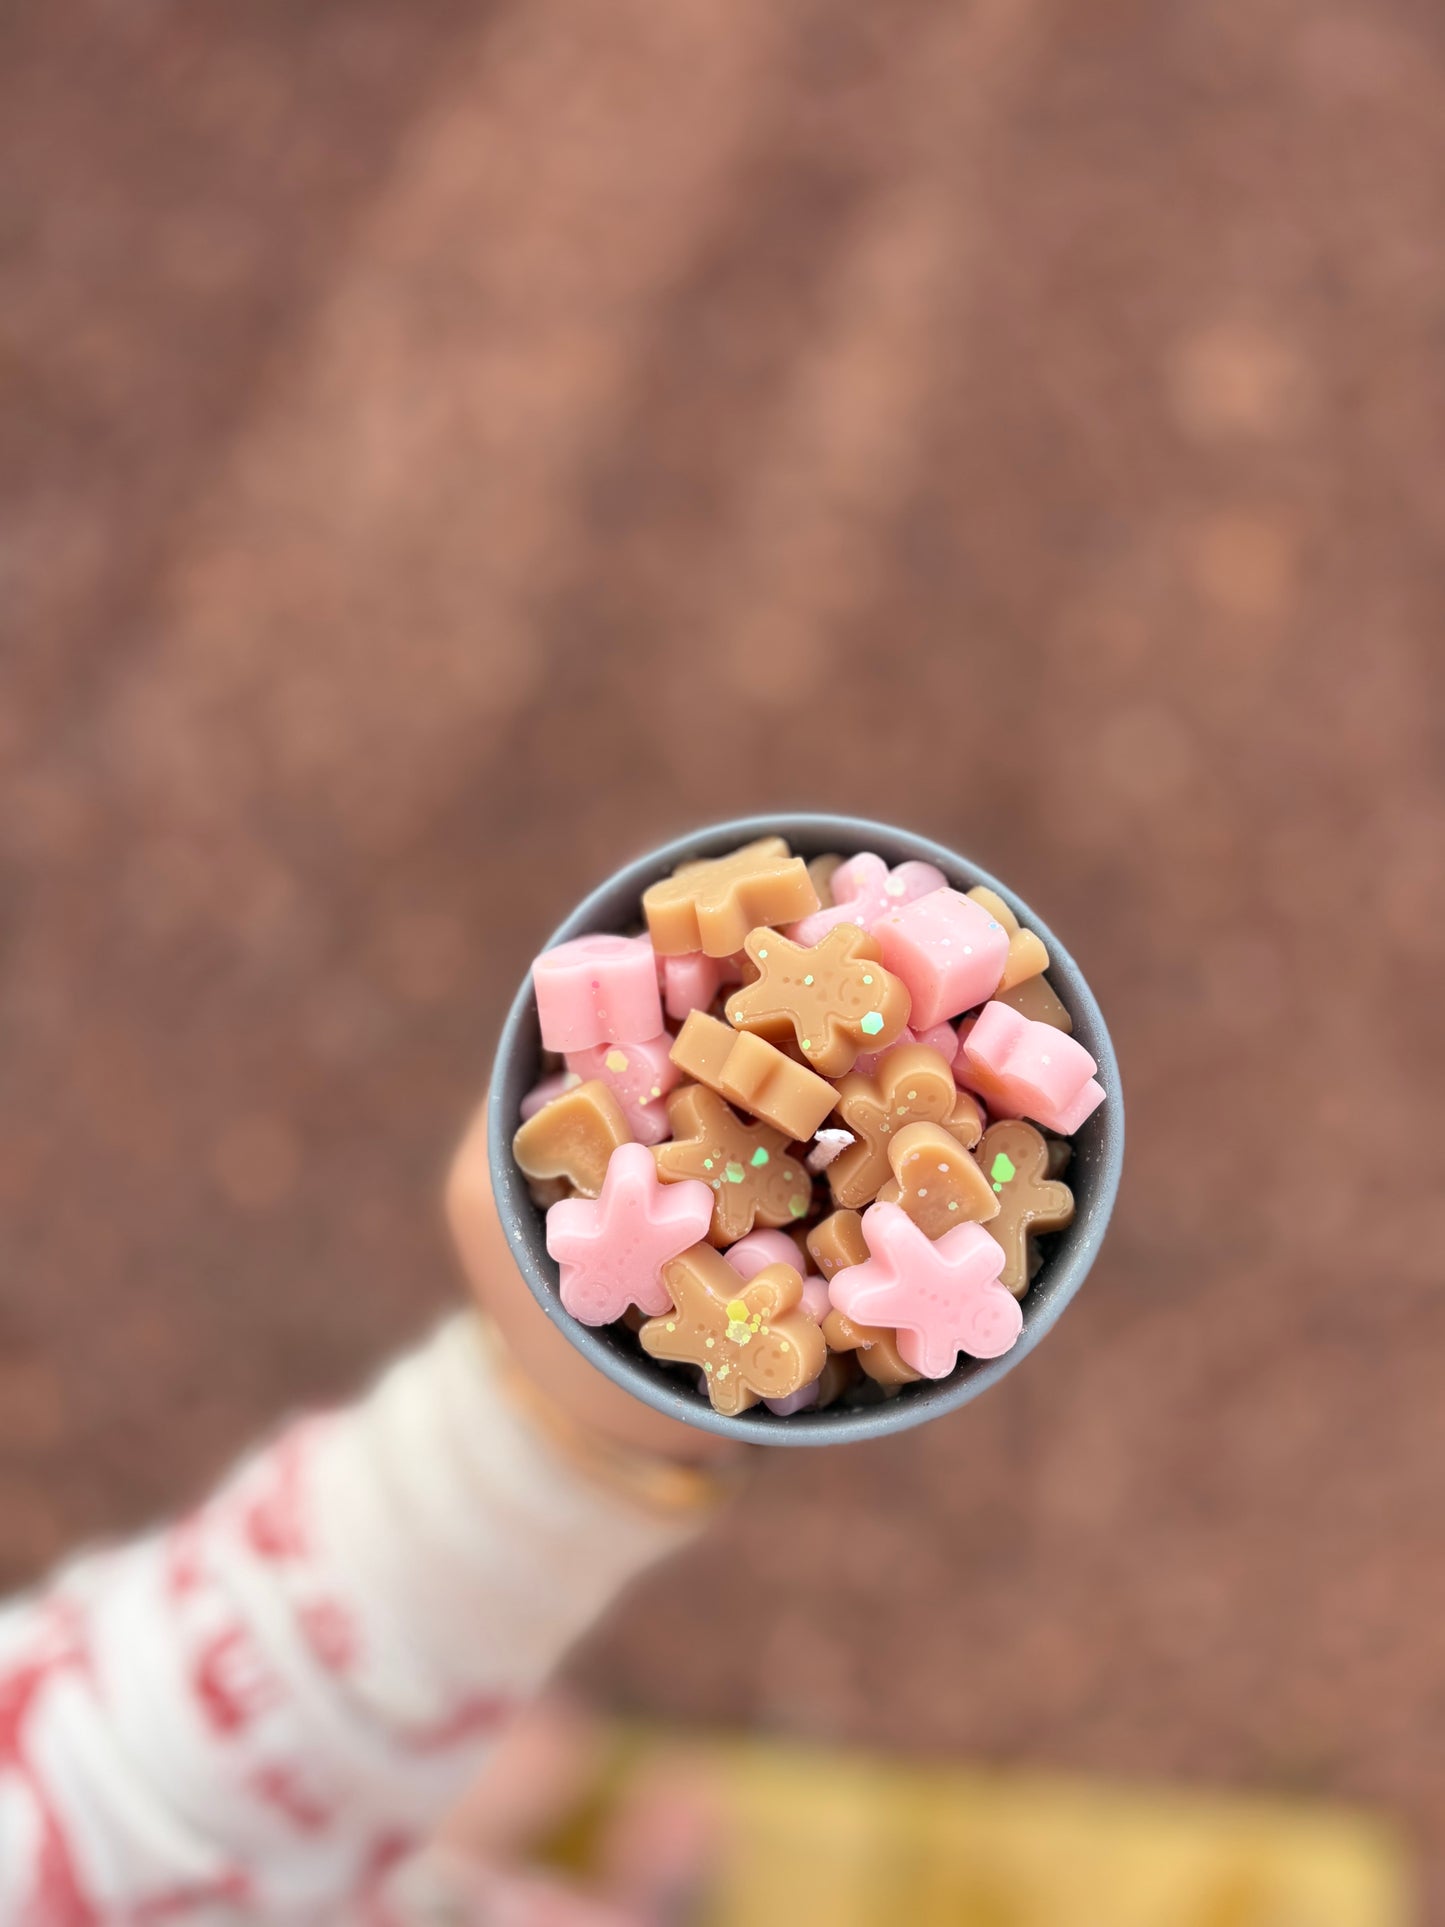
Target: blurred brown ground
[{"x": 447, "y": 447}]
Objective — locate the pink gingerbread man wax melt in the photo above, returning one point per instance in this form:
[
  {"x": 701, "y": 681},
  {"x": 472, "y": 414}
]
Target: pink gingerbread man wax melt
[
  {"x": 1028, "y": 1068},
  {"x": 947, "y": 949},
  {"x": 865, "y": 889},
  {"x": 597, "y": 990},
  {"x": 941, "y": 1295},
  {"x": 611, "y": 1250}
]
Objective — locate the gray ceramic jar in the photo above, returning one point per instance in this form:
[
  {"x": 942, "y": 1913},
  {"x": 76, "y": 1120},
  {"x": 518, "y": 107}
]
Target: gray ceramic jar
[{"x": 1093, "y": 1174}]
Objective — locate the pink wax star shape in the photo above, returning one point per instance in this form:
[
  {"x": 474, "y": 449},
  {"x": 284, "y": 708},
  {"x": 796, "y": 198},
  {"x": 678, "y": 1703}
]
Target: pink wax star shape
[
  {"x": 865, "y": 889},
  {"x": 612, "y": 1249},
  {"x": 942, "y": 1295}
]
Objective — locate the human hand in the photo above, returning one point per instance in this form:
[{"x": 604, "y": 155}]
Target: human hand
[
  {"x": 650, "y": 1864},
  {"x": 556, "y": 1369}
]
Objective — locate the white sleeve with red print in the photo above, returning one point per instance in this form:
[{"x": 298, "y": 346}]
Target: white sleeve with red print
[{"x": 252, "y": 1716}]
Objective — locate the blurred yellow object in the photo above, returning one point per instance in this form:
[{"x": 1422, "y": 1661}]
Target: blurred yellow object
[{"x": 857, "y": 1842}]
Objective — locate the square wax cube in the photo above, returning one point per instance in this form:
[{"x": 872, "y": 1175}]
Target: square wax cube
[{"x": 947, "y": 949}]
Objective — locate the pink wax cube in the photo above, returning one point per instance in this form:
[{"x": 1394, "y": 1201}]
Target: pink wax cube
[
  {"x": 947, "y": 949},
  {"x": 639, "y": 1077},
  {"x": 597, "y": 990},
  {"x": 1038, "y": 1071}
]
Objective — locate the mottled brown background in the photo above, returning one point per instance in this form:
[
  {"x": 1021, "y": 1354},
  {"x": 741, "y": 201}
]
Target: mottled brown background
[{"x": 446, "y": 447}]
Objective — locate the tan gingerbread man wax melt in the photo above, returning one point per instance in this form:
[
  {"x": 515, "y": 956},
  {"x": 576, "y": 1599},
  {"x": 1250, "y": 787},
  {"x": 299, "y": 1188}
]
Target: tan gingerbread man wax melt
[
  {"x": 1015, "y": 1159},
  {"x": 752, "y": 1339},
  {"x": 834, "y": 997},
  {"x": 912, "y": 1085},
  {"x": 755, "y": 1173},
  {"x": 711, "y": 905}
]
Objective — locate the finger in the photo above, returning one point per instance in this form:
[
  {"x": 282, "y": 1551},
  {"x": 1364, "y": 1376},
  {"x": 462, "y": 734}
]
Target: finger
[
  {"x": 547, "y": 1758},
  {"x": 541, "y": 1349},
  {"x": 658, "y": 1854},
  {"x": 443, "y": 1888}
]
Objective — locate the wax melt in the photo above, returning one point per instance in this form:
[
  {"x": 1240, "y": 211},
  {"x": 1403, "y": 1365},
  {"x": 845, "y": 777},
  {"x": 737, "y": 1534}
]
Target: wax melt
[
  {"x": 712, "y": 905},
  {"x": 935, "y": 1181},
  {"x": 752, "y": 1339},
  {"x": 942, "y": 1295},
  {"x": 752, "y": 1170},
  {"x": 572, "y": 1138},
  {"x": 612, "y": 1251},
  {"x": 753, "y": 1074},
  {"x": 833, "y": 997},
  {"x": 1017, "y": 1163}
]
